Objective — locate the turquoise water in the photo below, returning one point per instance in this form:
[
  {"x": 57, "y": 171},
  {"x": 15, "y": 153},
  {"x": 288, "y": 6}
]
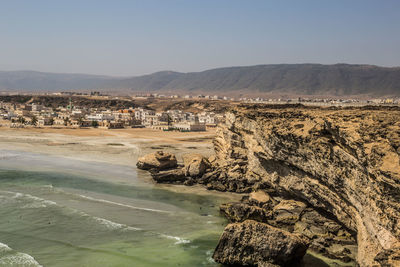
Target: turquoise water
[{"x": 62, "y": 212}]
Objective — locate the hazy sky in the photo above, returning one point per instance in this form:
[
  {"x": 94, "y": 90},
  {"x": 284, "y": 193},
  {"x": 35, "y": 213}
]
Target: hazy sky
[{"x": 117, "y": 37}]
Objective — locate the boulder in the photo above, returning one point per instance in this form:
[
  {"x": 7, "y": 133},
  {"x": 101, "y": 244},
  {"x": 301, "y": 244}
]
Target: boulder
[
  {"x": 252, "y": 243},
  {"x": 195, "y": 165},
  {"x": 169, "y": 176},
  {"x": 159, "y": 160}
]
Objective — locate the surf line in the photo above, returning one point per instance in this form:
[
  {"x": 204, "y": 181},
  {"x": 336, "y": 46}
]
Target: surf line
[{"x": 122, "y": 205}]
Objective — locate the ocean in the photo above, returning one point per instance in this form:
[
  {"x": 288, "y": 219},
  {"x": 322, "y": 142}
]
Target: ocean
[{"x": 57, "y": 211}]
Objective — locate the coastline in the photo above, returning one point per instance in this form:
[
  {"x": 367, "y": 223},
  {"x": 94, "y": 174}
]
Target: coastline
[
  {"x": 78, "y": 174},
  {"x": 119, "y": 146},
  {"x": 118, "y": 149}
]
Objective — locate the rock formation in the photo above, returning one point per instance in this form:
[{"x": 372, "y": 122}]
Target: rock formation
[
  {"x": 195, "y": 165},
  {"x": 325, "y": 235},
  {"x": 157, "y": 161},
  {"x": 344, "y": 162},
  {"x": 328, "y": 175},
  {"x": 253, "y": 243},
  {"x": 164, "y": 168}
]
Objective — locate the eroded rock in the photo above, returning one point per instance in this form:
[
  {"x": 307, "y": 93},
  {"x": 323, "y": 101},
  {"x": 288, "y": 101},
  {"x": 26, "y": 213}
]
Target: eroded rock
[
  {"x": 342, "y": 161},
  {"x": 159, "y": 160},
  {"x": 195, "y": 165},
  {"x": 239, "y": 212},
  {"x": 251, "y": 243},
  {"x": 325, "y": 235},
  {"x": 288, "y": 211},
  {"x": 169, "y": 176}
]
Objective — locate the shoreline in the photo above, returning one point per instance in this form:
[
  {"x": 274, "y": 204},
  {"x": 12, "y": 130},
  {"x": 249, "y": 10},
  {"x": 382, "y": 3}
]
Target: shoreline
[{"x": 118, "y": 148}]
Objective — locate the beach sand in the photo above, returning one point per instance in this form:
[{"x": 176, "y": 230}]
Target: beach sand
[{"x": 117, "y": 146}]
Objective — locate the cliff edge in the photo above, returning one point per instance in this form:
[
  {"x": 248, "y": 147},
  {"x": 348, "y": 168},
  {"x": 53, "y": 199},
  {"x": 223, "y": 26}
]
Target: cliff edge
[{"x": 344, "y": 162}]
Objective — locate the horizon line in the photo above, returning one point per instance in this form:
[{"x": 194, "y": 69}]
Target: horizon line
[{"x": 181, "y": 72}]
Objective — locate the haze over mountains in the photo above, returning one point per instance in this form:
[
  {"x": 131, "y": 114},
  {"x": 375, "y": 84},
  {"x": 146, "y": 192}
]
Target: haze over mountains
[{"x": 299, "y": 79}]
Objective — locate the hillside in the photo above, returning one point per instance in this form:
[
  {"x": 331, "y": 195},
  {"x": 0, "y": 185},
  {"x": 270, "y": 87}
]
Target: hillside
[{"x": 300, "y": 79}]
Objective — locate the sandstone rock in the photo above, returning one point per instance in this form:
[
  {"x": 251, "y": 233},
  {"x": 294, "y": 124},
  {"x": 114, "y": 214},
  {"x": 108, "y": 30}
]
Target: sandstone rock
[
  {"x": 239, "y": 212},
  {"x": 288, "y": 211},
  {"x": 195, "y": 165},
  {"x": 325, "y": 235},
  {"x": 342, "y": 161},
  {"x": 389, "y": 257},
  {"x": 251, "y": 243},
  {"x": 211, "y": 159},
  {"x": 215, "y": 185},
  {"x": 158, "y": 160},
  {"x": 260, "y": 197},
  {"x": 169, "y": 176}
]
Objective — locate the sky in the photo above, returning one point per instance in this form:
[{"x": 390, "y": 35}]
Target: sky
[{"x": 131, "y": 37}]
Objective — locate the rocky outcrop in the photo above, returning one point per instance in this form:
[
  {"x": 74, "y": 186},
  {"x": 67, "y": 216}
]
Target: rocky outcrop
[
  {"x": 389, "y": 257},
  {"x": 164, "y": 168},
  {"x": 169, "y": 176},
  {"x": 343, "y": 162},
  {"x": 253, "y": 243},
  {"x": 325, "y": 235},
  {"x": 195, "y": 165},
  {"x": 329, "y": 176},
  {"x": 157, "y": 161}
]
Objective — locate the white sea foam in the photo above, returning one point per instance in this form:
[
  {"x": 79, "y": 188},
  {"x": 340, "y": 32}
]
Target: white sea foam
[
  {"x": 37, "y": 201},
  {"x": 123, "y": 205},
  {"x": 34, "y": 205},
  {"x": 12, "y": 258},
  {"x": 179, "y": 240},
  {"x": 113, "y": 225},
  {"x": 209, "y": 256},
  {"x": 19, "y": 259},
  {"x": 107, "y": 223},
  {"x": 4, "y": 248}
]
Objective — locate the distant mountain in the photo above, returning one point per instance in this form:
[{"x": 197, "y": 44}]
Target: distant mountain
[{"x": 300, "y": 79}]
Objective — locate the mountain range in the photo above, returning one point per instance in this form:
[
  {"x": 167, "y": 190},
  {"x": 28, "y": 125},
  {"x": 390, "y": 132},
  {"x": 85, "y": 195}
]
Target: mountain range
[{"x": 298, "y": 79}]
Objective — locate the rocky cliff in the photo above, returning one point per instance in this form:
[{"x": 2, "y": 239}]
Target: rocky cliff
[{"x": 342, "y": 163}]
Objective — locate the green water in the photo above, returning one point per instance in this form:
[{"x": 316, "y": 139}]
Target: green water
[
  {"x": 67, "y": 213},
  {"x": 57, "y": 211}
]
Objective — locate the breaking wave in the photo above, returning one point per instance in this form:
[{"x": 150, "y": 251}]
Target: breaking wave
[
  {"x": 9, "y": 257},
  {"x": 123, "y": 205},
  {"x": 113, "y": 225},
  {"x": 179, "y": 240},
  {"x": 35, "y": 202}
]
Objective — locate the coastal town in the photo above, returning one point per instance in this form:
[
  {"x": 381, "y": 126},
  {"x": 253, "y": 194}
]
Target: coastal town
[
  {"x": 23, "y": 115},
  {"x": 73, "y": 113}
]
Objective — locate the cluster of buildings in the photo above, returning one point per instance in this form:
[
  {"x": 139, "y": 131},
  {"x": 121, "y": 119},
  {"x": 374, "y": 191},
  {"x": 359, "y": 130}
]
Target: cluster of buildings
[
  {"x": 208, "y": 97},
  {"x": 21, "y": 115},
  {"x": 324, "y": 101}
]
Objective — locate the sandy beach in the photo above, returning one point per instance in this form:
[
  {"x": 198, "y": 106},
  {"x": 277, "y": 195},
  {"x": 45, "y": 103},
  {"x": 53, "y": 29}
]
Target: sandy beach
[{"x": 119, "y": 146}]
